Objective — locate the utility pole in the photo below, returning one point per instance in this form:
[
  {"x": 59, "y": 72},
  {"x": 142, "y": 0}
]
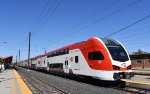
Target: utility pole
[
  {"x": 16, "y": 59},
  {"x": 29, "y": 50},
  {"x": 19, "y": 55}
]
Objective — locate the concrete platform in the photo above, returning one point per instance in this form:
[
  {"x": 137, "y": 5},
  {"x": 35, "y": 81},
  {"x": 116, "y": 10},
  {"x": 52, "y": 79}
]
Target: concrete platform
[
  {"x": 139, "y": 81},
  {"x": 141, "y": 71},
  {"x": 12, "y": 83}
]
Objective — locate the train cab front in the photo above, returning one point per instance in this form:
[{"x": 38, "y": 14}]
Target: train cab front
[{"x": 121, "y": 64}]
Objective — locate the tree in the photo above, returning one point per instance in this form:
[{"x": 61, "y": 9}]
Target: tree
[{"x": 139, "y": 52}]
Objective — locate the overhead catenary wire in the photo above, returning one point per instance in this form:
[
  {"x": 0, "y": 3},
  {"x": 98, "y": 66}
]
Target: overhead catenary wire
[
  {"x": 45, "y": 18},
  {"x": 39, "y": 26},
  {"x": 101, "y": 19},
  {"x": 47, "y": 11},
  {"x": 36, "y": 24},
  {"x": 109, "y": 15},
  {"x": 49, "y": 14},
  {"x": 90, "y": 17},
  {"x": 132, "y": 37},
  {"x": 130, "y": 25},
  {"x": 40, "y": 16}
]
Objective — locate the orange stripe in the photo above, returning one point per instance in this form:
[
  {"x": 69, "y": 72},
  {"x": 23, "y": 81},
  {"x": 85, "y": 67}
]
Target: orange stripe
[
  {"x": 136, "y": 82},
  {"x": 23, "y": 87}
]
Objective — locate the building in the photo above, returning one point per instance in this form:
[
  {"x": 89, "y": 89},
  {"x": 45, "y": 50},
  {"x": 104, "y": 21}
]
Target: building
[
  {"x": 6, "y": 61},
  {"x": 141, "y": 61}
]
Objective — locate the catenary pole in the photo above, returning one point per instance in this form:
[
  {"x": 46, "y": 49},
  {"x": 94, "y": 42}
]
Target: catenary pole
[{"x": 29, "y": 49}]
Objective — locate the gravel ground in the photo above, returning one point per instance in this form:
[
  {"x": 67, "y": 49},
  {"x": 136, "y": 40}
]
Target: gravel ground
[{"x": 74, "y": 86}]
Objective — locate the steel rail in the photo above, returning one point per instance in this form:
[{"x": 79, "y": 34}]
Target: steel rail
[{"x": 56, "y": 88}]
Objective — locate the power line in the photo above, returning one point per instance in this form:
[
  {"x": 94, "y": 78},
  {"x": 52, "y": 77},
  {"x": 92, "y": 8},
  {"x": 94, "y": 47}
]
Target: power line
[
  {"x": 90, "y": 17},
  {"x": 132, "y": 37},
  {"x": 47, "y": 13},
  {"x": 102, "y": 18},
  {"x": 134, "y": 23},
  {"x": 46, "y": 17},
  {"x": 49, "y": 8},
  {"x": 35, "y": 24},
  {"x": 40, "y": 16},
  {"x": 43, "y": 21},
  {"x": 109, "y": 15}
]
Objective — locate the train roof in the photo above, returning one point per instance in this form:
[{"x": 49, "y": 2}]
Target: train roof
[
  {"x": 40, "y": 56},
  {"x": 70, "y": 47}
]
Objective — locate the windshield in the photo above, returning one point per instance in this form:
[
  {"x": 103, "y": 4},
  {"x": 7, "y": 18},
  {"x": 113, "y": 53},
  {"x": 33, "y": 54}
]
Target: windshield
[{"x": 117, "y": 52}]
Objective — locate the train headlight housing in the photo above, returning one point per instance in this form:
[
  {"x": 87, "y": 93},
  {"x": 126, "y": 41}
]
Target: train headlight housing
[{"x": 116, "y": 67}]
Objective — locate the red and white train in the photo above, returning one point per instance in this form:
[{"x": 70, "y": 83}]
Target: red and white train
[{"x": 100, "y": 58}]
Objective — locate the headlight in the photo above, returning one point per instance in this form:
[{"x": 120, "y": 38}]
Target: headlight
[{"x": 116, "y": 67}]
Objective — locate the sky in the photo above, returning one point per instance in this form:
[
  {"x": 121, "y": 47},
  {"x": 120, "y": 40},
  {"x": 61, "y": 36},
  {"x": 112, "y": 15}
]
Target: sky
[{"x": 57, "y": 23}]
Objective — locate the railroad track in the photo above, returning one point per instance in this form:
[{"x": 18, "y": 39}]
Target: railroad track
[
  {"x": 137, "y": 90},
  {"x": 126, "y": 90},
  {"x": 133, "y": 90},
  {"x": 40, "y": 86}
]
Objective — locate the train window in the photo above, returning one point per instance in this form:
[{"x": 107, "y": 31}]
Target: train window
[
  {"x": 47, "y": 63},
  {"x": 44, "y": 61},
  {"x": 52, "y": 54},
  {"x": 97, "y": 55},
  {"x": 118, "y": 53},
  {"x": 116, "y": 50},
  {"x": 56, "y": 65},
  {"x": 38, "y": 62},
  {"x": 76, "y": 59},
  {"x": 66, "y": 62},
  {"x": 57, "y": 53},
  {"x": 48, "y": 56},
  {"x": 110, "y": 42},
  {"x": 61, "y": 52},
  {"x": 67, "y": 51}
]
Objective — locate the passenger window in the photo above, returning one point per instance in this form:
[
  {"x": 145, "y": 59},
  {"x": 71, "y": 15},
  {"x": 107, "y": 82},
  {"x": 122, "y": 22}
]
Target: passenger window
[
  {"x": 76, "y": 59},
  {"x": 97, "y": 55},
  {"x": 65, "y": 63},
  {"x": 47, "y": 63}
]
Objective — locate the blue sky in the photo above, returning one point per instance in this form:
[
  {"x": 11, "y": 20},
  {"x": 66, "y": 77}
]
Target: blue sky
[{"x": 69, "y": 21}]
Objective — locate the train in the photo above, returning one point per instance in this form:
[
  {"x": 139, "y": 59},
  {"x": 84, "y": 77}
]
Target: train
[{"x": 99, "y": 58}]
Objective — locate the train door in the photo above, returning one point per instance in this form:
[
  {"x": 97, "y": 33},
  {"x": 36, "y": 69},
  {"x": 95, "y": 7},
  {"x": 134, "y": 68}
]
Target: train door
[
  {"x": 47, "y": 66},
  {"x": 75, "y": 59},
  {"x": 66, "y": 69},
  {"x": 76, "y": 62}
]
